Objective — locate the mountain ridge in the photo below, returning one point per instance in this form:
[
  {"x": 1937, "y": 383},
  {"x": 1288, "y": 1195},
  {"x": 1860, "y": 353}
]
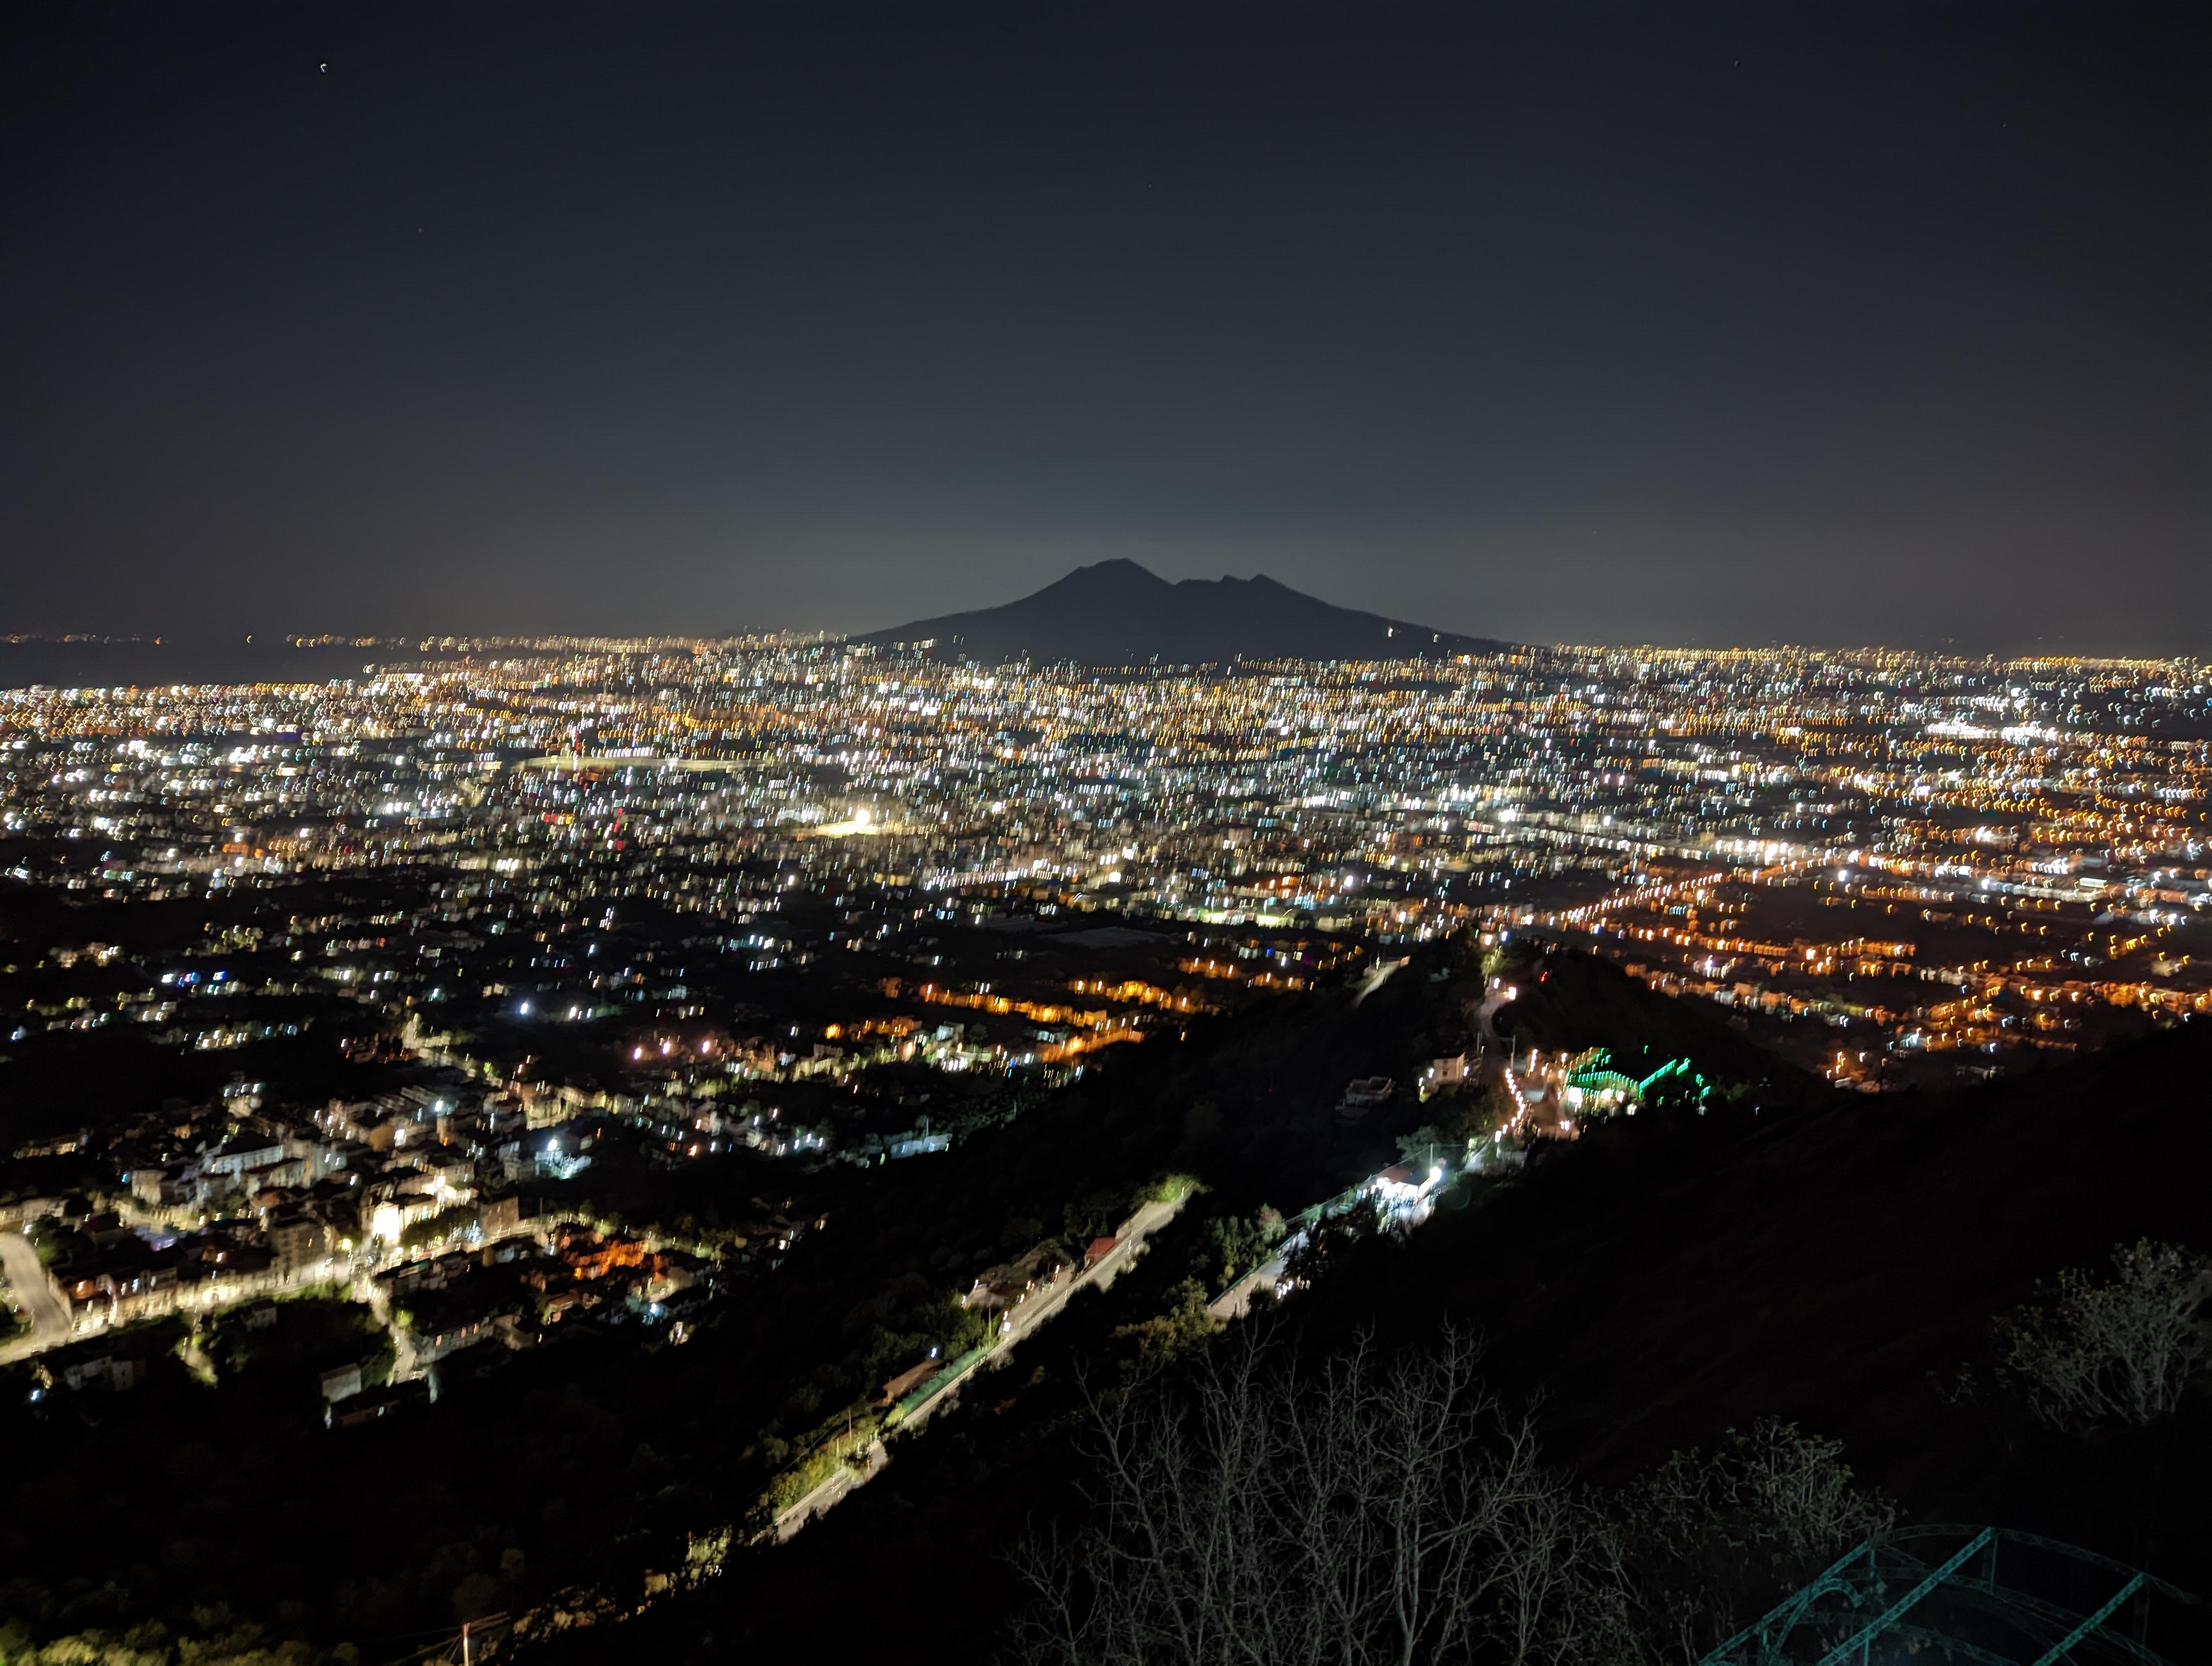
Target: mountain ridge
[{"x": 1120, "y": 612}]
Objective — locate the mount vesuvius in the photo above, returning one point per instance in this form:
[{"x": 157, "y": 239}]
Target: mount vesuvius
[{"x": 1118, "y": 613}]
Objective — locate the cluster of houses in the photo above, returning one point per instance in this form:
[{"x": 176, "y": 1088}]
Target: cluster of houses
[
  {"x": 518, "y": 1291},
  {"x": 466, "y": 1312},
  {"x": 107, "y": 1273},
  {"x": 235, "y": 1197},
  {"x": 585, "y": 1273}
]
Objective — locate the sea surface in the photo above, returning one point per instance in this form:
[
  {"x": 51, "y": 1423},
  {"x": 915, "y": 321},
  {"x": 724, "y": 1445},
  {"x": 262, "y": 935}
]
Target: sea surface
[{"x": 149, "y": 664}]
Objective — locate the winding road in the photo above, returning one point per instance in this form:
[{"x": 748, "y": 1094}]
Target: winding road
[{"x": 48, "y": 1313}]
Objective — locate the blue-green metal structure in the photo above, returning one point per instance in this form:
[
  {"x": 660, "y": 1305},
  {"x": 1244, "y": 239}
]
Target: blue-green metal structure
[
  {"x": 1597, "y": 1074},
  {"x": 1939, "y": 1594},
  {"x": 1676, "y": 1068}
]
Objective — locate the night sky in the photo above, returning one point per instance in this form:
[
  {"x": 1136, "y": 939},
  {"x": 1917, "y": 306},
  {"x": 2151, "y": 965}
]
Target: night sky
[{"x": 1662, "y": 323}]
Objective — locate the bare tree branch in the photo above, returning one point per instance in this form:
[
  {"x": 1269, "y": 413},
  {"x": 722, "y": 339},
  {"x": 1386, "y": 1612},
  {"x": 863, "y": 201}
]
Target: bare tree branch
[
  {"x": 2123, "y": 1349},
  {"x": 1255, "y": 1509}
]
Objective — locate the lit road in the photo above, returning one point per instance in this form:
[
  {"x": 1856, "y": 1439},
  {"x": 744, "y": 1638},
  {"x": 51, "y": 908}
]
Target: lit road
[
  {"x": 1045, "y": 1303},
  {"x": 49, "y": 1316},
  {"x": 1023, "y": 1320},
  {"x": 831, "y": 1492},
  {"x": 379, "y": 1302},
  {"x": 1486, "y": 1014},
  {"x": 1375, "y": 978},
  {"x": 1494, "y": 1045}
]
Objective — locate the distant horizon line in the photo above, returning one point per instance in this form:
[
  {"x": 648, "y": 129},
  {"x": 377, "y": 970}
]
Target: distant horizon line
[{"x": 414, "y": 642}]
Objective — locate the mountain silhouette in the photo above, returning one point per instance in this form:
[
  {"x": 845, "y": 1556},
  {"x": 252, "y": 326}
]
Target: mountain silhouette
[{"x": 1119, "y": 613}]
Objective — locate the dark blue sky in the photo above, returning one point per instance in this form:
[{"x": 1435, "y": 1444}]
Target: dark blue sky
[{"x": 1677, "y": 323}]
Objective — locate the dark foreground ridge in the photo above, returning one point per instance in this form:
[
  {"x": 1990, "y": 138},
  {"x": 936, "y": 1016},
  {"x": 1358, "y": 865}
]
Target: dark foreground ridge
[
  {"x": 1836, "y": 1263},
  {"x": 1116, "y": 613}
]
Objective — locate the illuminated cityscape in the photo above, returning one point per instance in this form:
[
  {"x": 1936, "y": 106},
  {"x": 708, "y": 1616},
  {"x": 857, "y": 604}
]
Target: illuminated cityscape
[
  {"x": 1895, "y": 861},
  {"x": 1134, "y": 835},
  {"x": 476, "y": 969}
]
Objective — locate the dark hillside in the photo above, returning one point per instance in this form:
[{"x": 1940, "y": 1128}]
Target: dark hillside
[
  {"x": 1571, "y": 998},
  {"x": 1833, "y": 1268},
  {"x": 1657, "y": 1283},
  {"x": 585, "y": 1463}
]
